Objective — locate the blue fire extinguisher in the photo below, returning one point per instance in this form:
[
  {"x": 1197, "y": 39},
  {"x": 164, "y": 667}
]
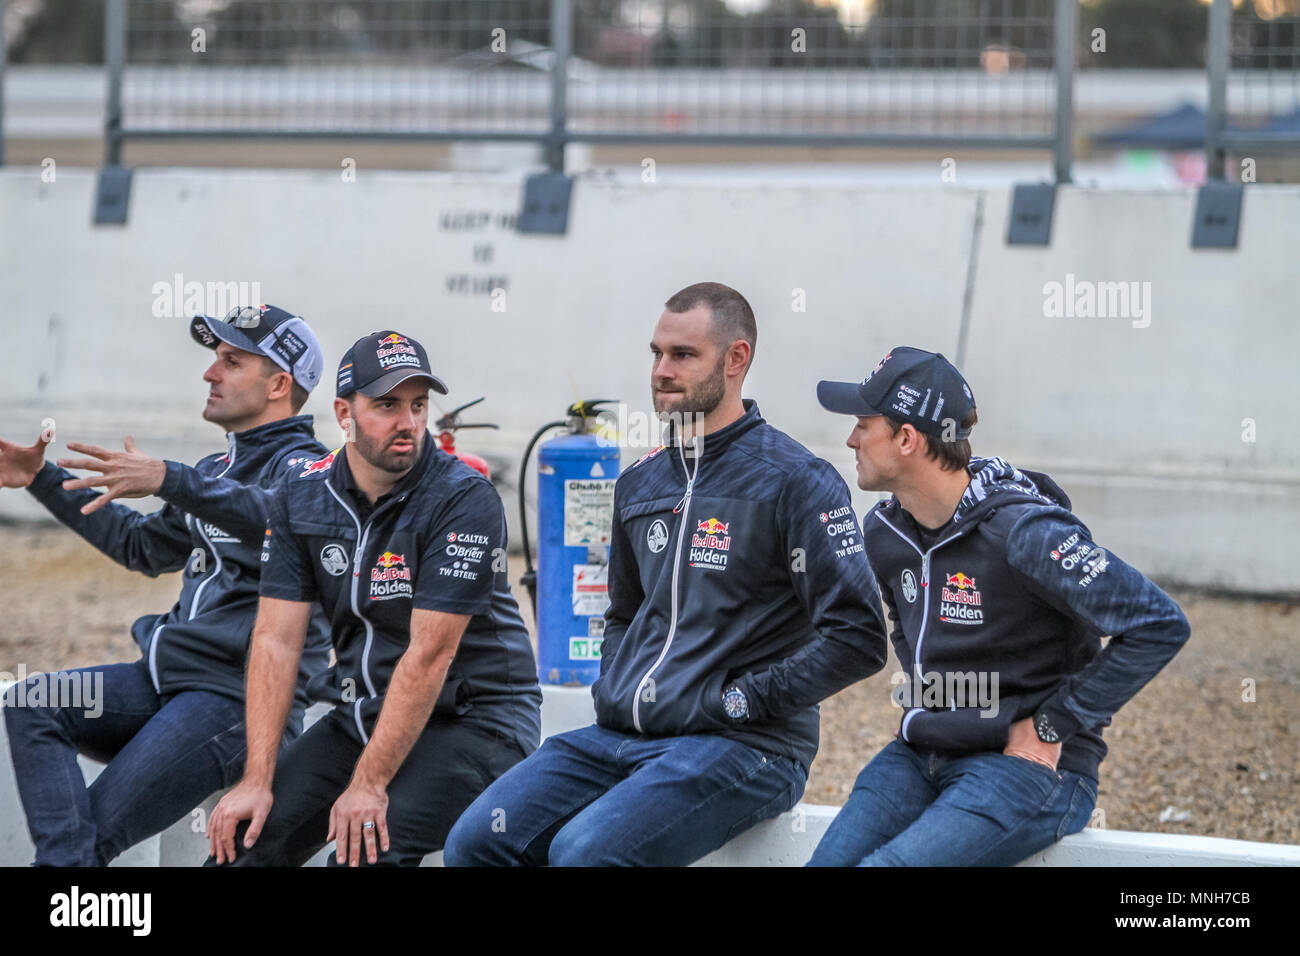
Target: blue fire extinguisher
[{"x": 575, "y": 514}]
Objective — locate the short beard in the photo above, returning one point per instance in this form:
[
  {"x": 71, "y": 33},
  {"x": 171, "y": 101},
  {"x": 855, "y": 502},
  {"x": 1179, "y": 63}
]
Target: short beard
[
  {"x": 381, "y": 458},
  {"x": 700, "y": 401}
]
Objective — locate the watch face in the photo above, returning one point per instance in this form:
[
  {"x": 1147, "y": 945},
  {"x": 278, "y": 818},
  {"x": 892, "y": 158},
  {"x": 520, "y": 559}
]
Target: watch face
[
  {"x": 1046, "y": 732},
  {"x": 735, "y": 704}
]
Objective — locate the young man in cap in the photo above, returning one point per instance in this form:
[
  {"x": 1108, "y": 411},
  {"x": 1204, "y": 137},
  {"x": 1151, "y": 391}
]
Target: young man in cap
[
  {"x": 170, "y": 725},
  {"x": 998, "y": 597},
  {"x": 435, "y": 687},
  {"x": 739, "y": 598}
]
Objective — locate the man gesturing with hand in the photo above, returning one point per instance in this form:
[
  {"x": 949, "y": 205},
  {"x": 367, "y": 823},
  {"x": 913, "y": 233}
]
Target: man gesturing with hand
[
  {"x": 169, "y": 725},
  {"x": 435, "y": 687}
]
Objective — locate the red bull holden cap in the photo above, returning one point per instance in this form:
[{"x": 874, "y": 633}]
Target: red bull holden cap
[
  {"x": 910, "y": 385},
  {"x": 286, "y": 339},
  {"x": 377, "y": 363}
]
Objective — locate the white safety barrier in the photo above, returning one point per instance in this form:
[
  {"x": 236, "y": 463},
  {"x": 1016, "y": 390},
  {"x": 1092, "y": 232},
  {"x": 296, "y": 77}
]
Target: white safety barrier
[
  {"x": 787, "y": 840},
  {"x": 1154, "y": 381}
]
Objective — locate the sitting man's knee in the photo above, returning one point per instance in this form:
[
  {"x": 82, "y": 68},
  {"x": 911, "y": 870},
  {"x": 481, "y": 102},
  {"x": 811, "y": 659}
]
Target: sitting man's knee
[
  {"x": 581, "y": 847},
  {"x": 478, "y": 838}
]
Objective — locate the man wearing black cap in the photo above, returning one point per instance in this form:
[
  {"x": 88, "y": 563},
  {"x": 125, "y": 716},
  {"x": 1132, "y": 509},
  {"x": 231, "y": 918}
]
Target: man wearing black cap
[
  {"x": 435, "y": 686},
  {"x": 999, "y": 598},
  {"x": 169, "y": 725}
]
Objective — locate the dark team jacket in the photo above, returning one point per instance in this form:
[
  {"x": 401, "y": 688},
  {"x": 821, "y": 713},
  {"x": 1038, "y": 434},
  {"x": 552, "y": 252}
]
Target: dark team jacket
[
  {"x": 437, "y": 542},
  {"x": 743, "y": 564},
  {"x": 1015, "y": 586},
  {"x": 211, "y": 528}
]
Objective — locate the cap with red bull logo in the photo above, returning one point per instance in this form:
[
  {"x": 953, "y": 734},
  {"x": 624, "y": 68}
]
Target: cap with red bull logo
[{"x": 379, "y": 362}]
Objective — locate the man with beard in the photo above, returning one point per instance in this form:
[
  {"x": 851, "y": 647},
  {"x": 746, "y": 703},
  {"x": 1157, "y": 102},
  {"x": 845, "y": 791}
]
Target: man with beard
[
  {"x": 435, "y": 686},
  {"x": 740, "y": 596}
]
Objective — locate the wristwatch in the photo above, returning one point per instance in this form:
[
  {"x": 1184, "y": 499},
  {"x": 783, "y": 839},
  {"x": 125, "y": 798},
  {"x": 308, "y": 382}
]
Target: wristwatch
[
  {"x": 1043, "y": 727},
  {"x": 735, "y": 703}
]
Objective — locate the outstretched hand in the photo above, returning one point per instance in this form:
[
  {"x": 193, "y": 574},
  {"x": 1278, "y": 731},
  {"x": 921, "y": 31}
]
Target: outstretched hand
[
  {"x": 122, "y": 474},
  {"x": 19, "y": 465}
]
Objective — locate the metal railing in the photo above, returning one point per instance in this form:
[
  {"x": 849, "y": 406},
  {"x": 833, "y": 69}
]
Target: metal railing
[
  {"x": 1254, "y": 76},
  {"x": 998, "y": 74},
  {"x": 979, "y": 74}
]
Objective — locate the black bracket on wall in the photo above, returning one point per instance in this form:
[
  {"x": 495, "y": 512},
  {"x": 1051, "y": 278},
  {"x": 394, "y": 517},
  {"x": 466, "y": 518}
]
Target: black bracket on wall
[
  {"x": 1217, "y": 221},
  {"x": 1030, "y": 222},
  {"x": 546, "y": 204},
  {"x": 112, "y": 196}
]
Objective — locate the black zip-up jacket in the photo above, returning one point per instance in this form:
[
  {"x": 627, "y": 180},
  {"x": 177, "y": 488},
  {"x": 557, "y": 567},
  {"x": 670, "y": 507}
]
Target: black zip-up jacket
[
  {"x": 741, "y": 565},
  {"x": 1014, "y": 589},
  {"x": 211, "y": 528},
  {"x": 436, "y": 541}
]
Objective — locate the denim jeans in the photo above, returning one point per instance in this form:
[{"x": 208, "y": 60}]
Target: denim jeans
[
  {"x": 597, "y": 797},
  {"x": 913, "y": 808},
  {"x": 450, "y": 763},
  {"x": 164, "y": 757}
]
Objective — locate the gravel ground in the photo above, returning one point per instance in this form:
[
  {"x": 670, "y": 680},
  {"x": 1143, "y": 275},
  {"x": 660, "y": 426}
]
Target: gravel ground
[{"x": 1188, "y": 754}]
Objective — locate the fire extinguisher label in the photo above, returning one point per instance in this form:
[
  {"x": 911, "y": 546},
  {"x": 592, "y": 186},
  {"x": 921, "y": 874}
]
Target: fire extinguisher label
[
  {"x": 584, "y": 649},
  {"x": 588, "y": 511},
  {"x": 590, "y": 589}
]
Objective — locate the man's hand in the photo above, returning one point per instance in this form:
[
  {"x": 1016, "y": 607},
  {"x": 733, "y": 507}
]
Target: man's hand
[
  {"x": 19, "y": 465},
  {"x": 359, "y": 804},
  {"x": 123, "y": 474},
  {"x": 1023, "y": 742},
  {"x": 248, "y": 801}
]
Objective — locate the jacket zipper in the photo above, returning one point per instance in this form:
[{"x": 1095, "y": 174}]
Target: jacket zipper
[
  {"x": 685, "y": 507},
  {"x": 198, "y": 591},
  {"x": 363, "y": 535},
  {"x": 925, "y": 598}
]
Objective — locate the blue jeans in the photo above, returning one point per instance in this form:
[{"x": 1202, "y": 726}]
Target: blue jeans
[
  {"x": 165, "y": 756},
  {"x": 911, "y": 808},
  {"x": 597, "y": 797}
]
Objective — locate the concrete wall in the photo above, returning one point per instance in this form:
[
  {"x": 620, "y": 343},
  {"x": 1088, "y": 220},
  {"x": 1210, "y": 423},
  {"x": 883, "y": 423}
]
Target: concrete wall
[{"x": 1142, "y": 423}]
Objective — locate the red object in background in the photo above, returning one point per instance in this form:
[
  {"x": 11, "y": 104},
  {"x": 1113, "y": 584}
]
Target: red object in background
[{"x": 447, "y": 427}]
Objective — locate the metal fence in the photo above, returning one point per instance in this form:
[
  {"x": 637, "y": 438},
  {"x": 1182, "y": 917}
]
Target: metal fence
[
  {"x": 970, "y": 73},
  {"x": 909, "y": 73},
  {"x": 1254, "y": 75}
]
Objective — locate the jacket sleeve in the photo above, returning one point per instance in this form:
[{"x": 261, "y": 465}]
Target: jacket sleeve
[
  {"x": 238, "y": 508},
  {"x": 625, "y": 594},
  {"x": 1054, "y": 557},
  {"x": 833, "y": 581},
  {"x": 152, "y": 544}
]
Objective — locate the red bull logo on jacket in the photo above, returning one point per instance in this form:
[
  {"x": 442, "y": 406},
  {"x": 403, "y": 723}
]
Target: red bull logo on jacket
[
  {"x": 710, "y": 544},
  {"x": 390, "y": 577},
  {"x": 322, "y": 464},
  {"x": 960, "y": 600}
]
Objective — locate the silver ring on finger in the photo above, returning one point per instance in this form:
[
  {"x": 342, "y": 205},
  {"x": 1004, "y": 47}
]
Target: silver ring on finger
[{"x": 368, "y": 825}]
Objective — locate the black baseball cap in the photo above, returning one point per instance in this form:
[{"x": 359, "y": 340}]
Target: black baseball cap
[
  {"x": 377, "y": 363},
  {"x": 911, "y": 385},
  {"x": 286, "y": 339}
]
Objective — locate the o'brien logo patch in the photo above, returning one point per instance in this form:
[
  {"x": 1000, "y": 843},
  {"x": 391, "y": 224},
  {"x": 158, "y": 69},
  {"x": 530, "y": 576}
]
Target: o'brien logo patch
[
  {"x": 390, "y": 577},
  {"x": 842, "y": 528},
  {"x": 960, "y": 601},
  {"x": 1065, "y": 546},
  {"x": 710, "y": 545},
  {"x": 468, "y": 552},
  {"x": 394, "y": 351}
]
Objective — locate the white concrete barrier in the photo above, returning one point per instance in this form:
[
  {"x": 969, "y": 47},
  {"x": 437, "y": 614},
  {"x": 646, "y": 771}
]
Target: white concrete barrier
[
  {"x": 1171, "y": 428},
  {"x": 787, "y": 840}
]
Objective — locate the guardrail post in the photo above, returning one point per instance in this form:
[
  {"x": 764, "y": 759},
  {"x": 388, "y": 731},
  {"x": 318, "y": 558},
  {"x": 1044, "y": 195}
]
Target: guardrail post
[
  {"x": 1216, "y": 117},
  {"x": 1067, "y": 29},
  {"x": 561, "y": 48}
]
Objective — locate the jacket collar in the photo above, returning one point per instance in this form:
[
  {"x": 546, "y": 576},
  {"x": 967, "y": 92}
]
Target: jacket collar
[
  {"x": 268, "y": 434},
  {"x": 994, "y": 483},
  {"x": 714, "y": 443}
]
